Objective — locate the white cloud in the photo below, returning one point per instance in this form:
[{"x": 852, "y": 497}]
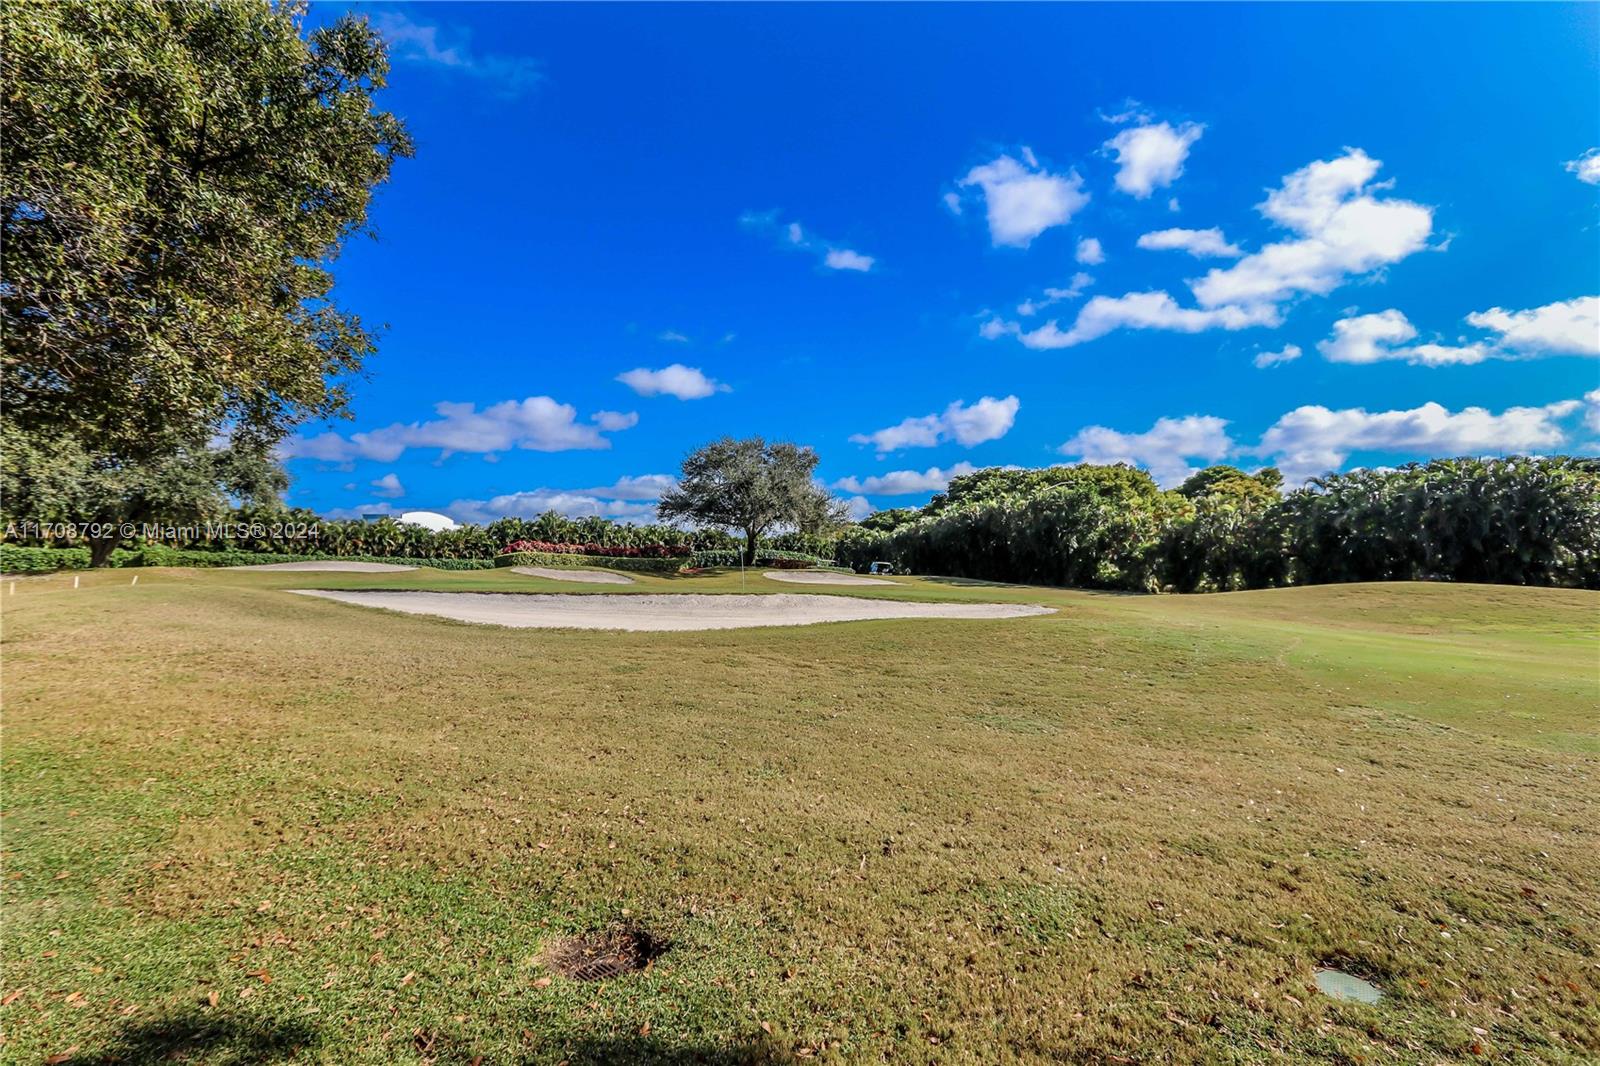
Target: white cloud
[
  {"x": 635, "y": 487},
  {"x": 1164, "y": 449},
  {"x": 1365, "y": 338},
  {"x": 538, "y": 423},
  {"x": 672, "y": 336},
  {"x": 1568, "y": 328},
  {"x": 630, "y": 499},
  {"x": 1287, "y": 354},
  {"x": 845, "y": 259},
  {"x": 1134, "y": 310},
  {"x": 988, "y": 419},
  {"x": 684, "y": 382},
  {"x": 1200, "y": 243},
  {"x": 1023, "y": 199},
  {"x": 1314, "y": 440},
  {"x": 1090, "y": 252},
  {"x": 794, "y": 235},
  {"x": 1151, "y": 156},
  {"x": 411, "y": 41},
  {"x": 1074, "y": 289},
  {"x": 1586, "y": 167},
  {"x": 858, "y": 507},
  {"x": 535, "y": 502},
  {"x": 389, "y": 486},
  {"x": 611, "y": 421},
  {"x": 1131, "y": 111},
  {"x": 1342, "y": 230},
  {"x": 905, "y": 482},
  {"x": 1375, "y": 338}
]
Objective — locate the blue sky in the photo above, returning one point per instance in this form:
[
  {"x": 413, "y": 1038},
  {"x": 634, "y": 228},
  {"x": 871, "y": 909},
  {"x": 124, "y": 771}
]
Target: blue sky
[{"x": 920, "y": 239}]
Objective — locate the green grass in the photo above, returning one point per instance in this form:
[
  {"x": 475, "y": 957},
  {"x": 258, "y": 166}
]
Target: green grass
[{"x": 1123, "y": 832}]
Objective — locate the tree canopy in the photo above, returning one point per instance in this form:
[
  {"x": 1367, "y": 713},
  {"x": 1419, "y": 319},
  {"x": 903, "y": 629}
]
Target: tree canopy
[
  {"x": 753, "y": 487},
  {"x": 177, "y": 179}
]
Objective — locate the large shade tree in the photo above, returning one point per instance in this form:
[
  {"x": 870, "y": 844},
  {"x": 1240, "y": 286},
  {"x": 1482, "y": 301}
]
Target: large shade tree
[
  {"x": 752, "y": 487},
  {"x": 177, "y": 179}
]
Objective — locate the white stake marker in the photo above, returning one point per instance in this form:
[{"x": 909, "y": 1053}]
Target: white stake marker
[
  {"x": 74, "y": 580},
  {"x": 135, "y": 580}
]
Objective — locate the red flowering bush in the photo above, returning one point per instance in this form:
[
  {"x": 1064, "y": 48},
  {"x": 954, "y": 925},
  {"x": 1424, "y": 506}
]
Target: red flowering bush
[{"x": 641, "y": 551}]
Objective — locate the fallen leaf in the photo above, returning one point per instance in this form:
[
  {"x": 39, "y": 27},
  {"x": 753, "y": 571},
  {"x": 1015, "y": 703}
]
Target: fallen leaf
[
  {"x": 58, "y": 1059},
  {"x": 10, "y": 998},
  {"x": 766, "y": 1027},
  {"x": 408, "y": 978},
  {"x": 644, "y": 1030},
  {"x": 543, "y": 982},
  {"x": 213, "y": 998}
]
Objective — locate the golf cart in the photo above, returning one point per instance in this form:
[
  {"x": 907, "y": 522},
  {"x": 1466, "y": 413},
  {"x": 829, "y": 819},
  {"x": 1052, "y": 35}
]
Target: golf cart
[{"x": 881, "y": 569}]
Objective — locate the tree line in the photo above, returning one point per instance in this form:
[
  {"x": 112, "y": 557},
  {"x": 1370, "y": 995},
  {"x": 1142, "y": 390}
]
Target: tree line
[{"x": 1517, "y": 520}]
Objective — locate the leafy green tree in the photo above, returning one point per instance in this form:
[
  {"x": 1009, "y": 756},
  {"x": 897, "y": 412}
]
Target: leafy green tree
[
  {"x": 753, "y": 487},
  {"x": 890, "y": 520},
  {"x": 996, "y": 483},
  {"x": 177, "y": 179},
  {"x": 61, "y": 483},
  {"x": 1234, "y": 484}
]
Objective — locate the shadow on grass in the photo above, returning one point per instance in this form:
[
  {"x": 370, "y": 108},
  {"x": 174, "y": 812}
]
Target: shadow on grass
[{"x": 213, "y": 1039}]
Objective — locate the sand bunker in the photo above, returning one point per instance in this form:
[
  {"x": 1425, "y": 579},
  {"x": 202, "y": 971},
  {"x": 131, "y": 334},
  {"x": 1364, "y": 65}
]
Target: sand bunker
[
  {"x": 590, "y": 577},
  {"x": 822, "y": 577},
  {"x": 688, "y": 611},
  {"x": 330, "y": 564}
]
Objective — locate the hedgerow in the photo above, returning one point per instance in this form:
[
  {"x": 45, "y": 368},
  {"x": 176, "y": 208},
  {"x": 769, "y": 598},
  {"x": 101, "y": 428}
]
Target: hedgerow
[
  {"x": 778, "y": 560},
  {"x": 653, "y": 564},
  {"x": 29, "y": 560}
]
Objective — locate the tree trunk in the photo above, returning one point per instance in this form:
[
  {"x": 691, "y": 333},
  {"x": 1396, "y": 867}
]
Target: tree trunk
[
  {"x": 100, "y": 549},
  {"x": 750, "y": 547}
]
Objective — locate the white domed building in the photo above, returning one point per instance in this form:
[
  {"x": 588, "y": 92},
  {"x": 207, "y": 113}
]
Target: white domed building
[{"x": 429, "y": 520}]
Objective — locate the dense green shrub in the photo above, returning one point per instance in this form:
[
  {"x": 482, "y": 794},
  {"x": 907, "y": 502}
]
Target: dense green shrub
[
  {"x": 28, "y": 560},
  {"x": 23, "y": 560},
  {"x": 1517, "y": 521},
  {"x": 1093, "y": 526},
  {"x": 1514, "y": 521},
  {"x": 767, "y": 557},
  {"x": 700, "y": 560},
  {"x": 815, "y": 545},
  {"x": 649, "y": 565},
  {"x": 301, "y": 534}
]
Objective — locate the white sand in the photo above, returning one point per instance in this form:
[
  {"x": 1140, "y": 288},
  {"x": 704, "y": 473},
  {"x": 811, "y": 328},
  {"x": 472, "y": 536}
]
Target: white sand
[
  {"x": 331, "y": 564},
  {"x": 649, "y": 612},
  {"x": 822, "y": 577},
  {"x": 590, "y": 577}
]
